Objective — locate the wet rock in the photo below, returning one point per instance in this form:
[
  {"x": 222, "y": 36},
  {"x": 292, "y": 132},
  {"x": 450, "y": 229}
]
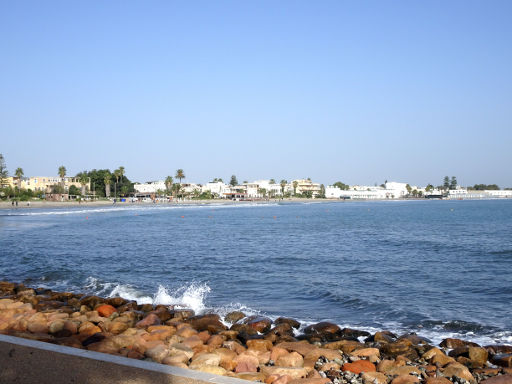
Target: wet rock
[
  {"x": 105, "y": 310},
  {"x": 258, "y": 323},
  {"x": 455, "y": 343},
  {"x": 285, "y": 320},
  {"x": 163, "y": 313},
  {"x": 182, "y": 314},
  {"x": 91, "y": 301},
  {"x": 150, "y": 319},
  {"x": 209, "y": 322},
  {"x": 397, "y": 348},
  {"x": 354, "y": 334},
  {"x": 325, "y": 331},
  {"x": 359, "y": 366},
  {"x": 279, "y": 330},
  {"x": 502, "y": 359},
  {"x": 496, "y": 349},
  {"x": 233, "y": 317},
  {"x": 415, "y": 339}
]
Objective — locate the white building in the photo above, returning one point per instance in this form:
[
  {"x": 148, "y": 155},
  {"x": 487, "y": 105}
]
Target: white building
[
  {"x": 217, "y": 188},
  {"x": 150, "y": 187}
]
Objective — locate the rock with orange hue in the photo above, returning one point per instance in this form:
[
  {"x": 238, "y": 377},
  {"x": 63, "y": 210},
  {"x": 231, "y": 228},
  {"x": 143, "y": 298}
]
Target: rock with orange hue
[
  {"x": 216, "y": 340},
  {"x": 458, "y": 370},
  {"x": 227, "y": 358},
  {"x": 234, "y": 346},
  {"x": 331, "y": 365},
  {"x": 396, "y": 348},
  {"x": 213, "y": 369},
  {"x": 294, "y": 373},
  {"x": 374, "y": 378},
  {"x": 384, "y": 337},
  {"x": 310, "y": 381},
  {"x": 71, "y": 327},
  {"x": 251, "y": 376},
  {"x": 502, "y": 379},
  {"x": 204, "y": 336},
  {"x": 186, "y": 331},
  {"x": 293, "y": 359},
  {"x": 405, "y": 379},
  {"x": 359, "y": 366},
  {"x": 503, "y": 360},
  {"x": 192, "y": 341},
  {"x": 205, "y": 359},
  {"x": 37, "y": 323},
  {"x": 347, "y": 346},
  {"x": 403, "y": 370},
  {"x": 88, "y": 329},
  {"x": 259, "y": 323},
  {"x": 324, "y": 331},
  {"x": 259, "y": 345},
  {"x": 178, "y": 348},
  {"x": 246, "y": 362},
  {"x": 149, "y": 320},
  {"x": 105, "y": 310},
  {"x": 105, "y": 346},
  {"x": 437, "y": 380},
  {"x": 387, "y": 365},
  {"x": 178, "y": 358},
  {"x": 277, "y": 352},
  {"x": 210, "y": 322},
  {"x": 313, "y": 355},
  {"x": 234, "y": 316},
  {"x": 366, "y": 352},
  {"x": 302, "y": 347}
]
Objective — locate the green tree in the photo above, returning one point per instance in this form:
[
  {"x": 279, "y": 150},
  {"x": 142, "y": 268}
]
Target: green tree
[
  {"x": 409, "y": 189},
  {"x": 180, "y": 175},
  {"x": 121, "y": 173},
  {"x": 283, "y": 183},
  {"x": 107, "y": 179},
  {"x": 446, "y": 183},
  {"x": 453, "y": 183},
  {"x": 233, "y": 181},
  {"x": 272, "y": 181},
  {"x": 73, "y": 190},
  {"x": 168, "y": 183},
  {"x": 342, "y": 186},
  {"x": 295, "y": 184},
  {"x": 84, "y": 180},
  {"x": 321, "y": 195},
  {"x": 19, "y": 174},
  {"x": 62, "y": 173},
  {"x": 429, "y": 188},
  {"x": 4, "y": 174},
  {"x": 117, "y": 174},
  {"x": 262, "y": 191}
]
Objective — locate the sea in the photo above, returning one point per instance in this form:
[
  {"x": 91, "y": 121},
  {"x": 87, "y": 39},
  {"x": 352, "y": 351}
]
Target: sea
[{"x": 436, "y": 268}]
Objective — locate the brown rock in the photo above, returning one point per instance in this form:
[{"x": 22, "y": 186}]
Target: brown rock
[
  {"x": 285, "y": 320},
  {"x": 502, "y": 379},
  {"x": 226, "y": 358},
  {"x": 396, "y": 348},
  {"x": 403, "y": 370},
  {"x": 233, "y": 317},
  {"x": 205, "y": 359},
  {"x": 192, "y": 341},
  {"x": 454, "y": 343},
  {"x": 150, "y": 319},
  {"x": 405, "y": 379},
  {"x": 503, "y": 360},
  {"x": 105, "y": 346},
  {"x": 310, "y": 381},
  {"x": 186, "y": 331},
  {"x": 258, "y": 323},
  {"x": 105, "y": 310},
  {"x": 259, "y": 345},
  {"x": 302, "y": 347},
  {"x": 157, "y": 353},
  {"x": 182, "y": 314},
  {"x": 350, "y": 333},
  {"x": 437, "y": 380},
  {"x": 292, "y": 359},
  {"x": 246, "y": 362},
  {"x": 216, "y": 340},
  {"x": 415, "y": 339},
  {"x": 312, "y": 356},
  {"x": 91, "y": 301},
  {"x": 277, "y": 352},
  {"x": 214, "y": 370},
  {"x": 359, "y": 366},
  {"x": 178, "y": 358},
  {"x": 234, "y": 346},
  {"x": 384, "y": 337},
  {"x": 324, "y": 330},
  {"x": 458, "y": 370},
  {"x": 210, "y": 322},
  {"x": 366, "y": 352},
  {"x": 294, "y": 373},
  {"x": 495, "y": 349},
  {"x": 330, "y": 366},
  {"x": 374, "y": 378},
  {"x": 256, "y": 376},
  {"x": 346, "y": 346}
]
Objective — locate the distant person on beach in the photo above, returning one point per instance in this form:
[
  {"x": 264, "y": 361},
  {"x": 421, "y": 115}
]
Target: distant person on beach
[{"x": 12, "y": 203}]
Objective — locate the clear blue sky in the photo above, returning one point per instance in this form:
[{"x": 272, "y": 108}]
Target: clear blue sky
[{"x": 357, "y": 91}]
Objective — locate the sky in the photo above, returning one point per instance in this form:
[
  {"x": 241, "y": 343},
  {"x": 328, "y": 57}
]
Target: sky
[{"x": 352, "y": 91}]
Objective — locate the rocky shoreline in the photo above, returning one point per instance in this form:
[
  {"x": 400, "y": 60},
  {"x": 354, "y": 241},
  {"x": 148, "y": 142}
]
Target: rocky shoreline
[{"x": 250, "y": 348}]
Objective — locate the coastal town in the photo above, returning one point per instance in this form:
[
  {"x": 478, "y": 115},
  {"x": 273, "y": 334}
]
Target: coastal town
[{"x": 103, "y": 184}]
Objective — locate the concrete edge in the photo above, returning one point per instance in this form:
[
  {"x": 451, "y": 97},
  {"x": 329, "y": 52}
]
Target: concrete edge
[{"x": 119, "y": 360}]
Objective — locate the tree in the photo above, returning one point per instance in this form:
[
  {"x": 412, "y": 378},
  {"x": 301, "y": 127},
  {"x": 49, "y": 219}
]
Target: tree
[
  {"x": 168, "y": 183},
  {"x": 107, "y": 180},
  {"x": 322, "y": 192},
  {"x": 272, "y": 181},
  {"x": 83, "y": 179},
  {"x": 295, "y": 184},
  {"x": 262, "y": 191},
  {"x": 74, "y": 190},
  {"x": 117, "y": 173},
  {"x": 409, "y": 189},
  {"x": 429, "y": 188},
  {"x": 3, "y": 171},
  {"x": 62, "y": 174},
  {"x": 283, "y": 183},
  {"x": 19, "y": 175},
  {"x": 217, "y": 180},
  {"x": 180, "y": 175},
  {"x": 121, "y": 173},
  {"x": 340, "y": 185},
  {"x": 446, "y": 183},
  {"x": 233, "y": 181},
  {"x": 453, "y": 183}
]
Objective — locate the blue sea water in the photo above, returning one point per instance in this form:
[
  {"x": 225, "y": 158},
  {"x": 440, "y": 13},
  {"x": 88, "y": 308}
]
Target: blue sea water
[{"x": 437, "y": 268}]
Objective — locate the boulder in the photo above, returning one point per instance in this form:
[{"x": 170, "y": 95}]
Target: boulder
[
  {"x": 105, "y": 310},
  {"x": 349, "y": 333},
  {"x": 157, "y": 353},
  {"x": 294, "y": 373},
  {"x": 210, "y": 322},
  {"x": 246, "y": 362},
  {"x": 451, "y": 343},
  {"x": 205, "y": 359},
  {"x": 359, "y": 366},
  {"x": 150, "y": 319},
  {"x": 292, "y": 359},
  {"x": 214, "y": 370},
  {"x": 233, "y": 317},
  {"x": 226, "y": 358},
  {"x": 259, "y": 323},
  {"x": 503, "y": 360},
  {"x": 458, "y": 370},
  {"x": 325, "y": 331},
  {"x": 285, "y": 320},
  {"x": 259, "y": 345},
  {"x": 502, "y": 379},
  {"x": 405, "y": 379},
  {"x": 374, "y": 378},
  {"x": 347, "y": 346}
]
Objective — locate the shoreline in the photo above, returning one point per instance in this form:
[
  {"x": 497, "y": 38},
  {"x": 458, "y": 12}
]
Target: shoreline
[
  {"x": 7, "y": 205},
  {"x": 248, "y": 347}
]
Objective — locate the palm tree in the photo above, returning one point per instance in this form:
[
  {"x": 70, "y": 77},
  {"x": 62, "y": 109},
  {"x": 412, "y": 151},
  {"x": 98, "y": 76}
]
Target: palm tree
[
  {"x": 180, "y": 175},
  {"x": 117, "y": 173},
  {"x": 62, "y": 174},
  {"x": 168, "y": 183},
  {"x": 107, "y": 180},
  {"x": 283, "y": 183},
  {"x": 295, "y": 184},
  {"x": 83, "y": 179},
  {"x": 121, "y": 173},
  {"x": 19, "y": 175}
]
